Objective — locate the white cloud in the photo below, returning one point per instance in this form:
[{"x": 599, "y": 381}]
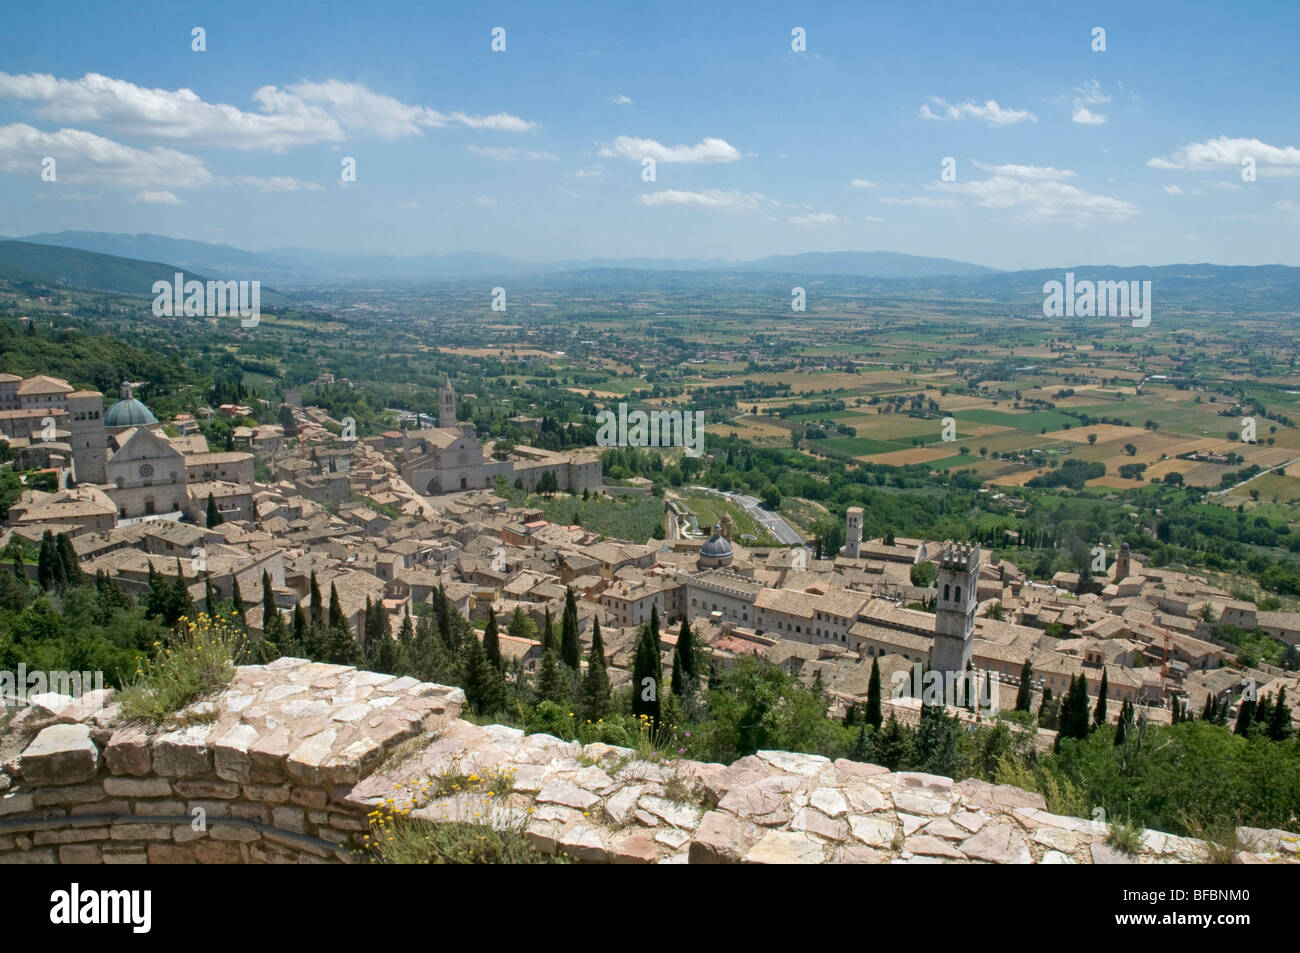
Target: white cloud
[
  {"x": 1036, "y": 172},
  {"x": 276, "y": 183},
  {"x": 620, "y": 100},
  {"x": 873, "y": 218},
  {"x": 990, "y": 112},
  {"x": 711, "y": 198},
  {"x": 299, "y": 114},
  {"x": 156, "y": 198},
  {"x": 486, "y": 200},
  {"x": 709, "y": 149},
  {"x": 1225, "y": 153},
  {"x": 590, "y": 172},
  {"x": 1039, "y": 194},
  {"x": 924, "y": 201},
  {"x": 863, "y": 184},
  {"x": 85, "y": 157},
  {"x": 816, "y": 218},
  {"x": 1089, "y": 94},
  {"x": 1172, "y": 189},
  {"x": 504, "y": 154}
]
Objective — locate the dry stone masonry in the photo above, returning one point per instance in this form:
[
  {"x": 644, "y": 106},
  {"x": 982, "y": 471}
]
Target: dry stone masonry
[{"x": 288, "y": 763}]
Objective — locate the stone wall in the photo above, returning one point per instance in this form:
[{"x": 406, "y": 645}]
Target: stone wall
[{"x": 288, "y": 763}]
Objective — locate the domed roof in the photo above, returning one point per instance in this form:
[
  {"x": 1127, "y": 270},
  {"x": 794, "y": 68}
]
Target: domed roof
[
  {"x": 717, "y": 547},
  {"x": 129, "y": 413}
]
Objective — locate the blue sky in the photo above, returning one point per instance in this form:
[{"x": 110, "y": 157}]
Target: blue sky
[{"x": 1063, "y": 155}]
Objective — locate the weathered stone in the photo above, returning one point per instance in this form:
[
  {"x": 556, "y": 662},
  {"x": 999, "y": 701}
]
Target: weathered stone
[
  {"x": 80, "y": 854},
  {"x": 128, "y": 752},
  {"x": 231, "y": 756},
  {"x": 998, "y": 844},
  {"x": 874, "y": 831},
  {"x": 929, "y": 846},
  {"x": 722, "y": 839},
  {"x": 1105, "y": 854},
  {"x": 829, "y": 801},
  {"x": 137, "y": 787},
  {"x": 785, "y": 847},
  {"x": 61, "y": 754},
  {"x": 14, "y": 803},
  {"x": 201, "y": 788},
  {"x": 183, "y": 753},
  {"x": 567, "y": 795}
]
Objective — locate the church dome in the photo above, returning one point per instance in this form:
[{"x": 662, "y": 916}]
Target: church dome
[
  {"x": 129, "y": 413},
  {"x": 716, "y": 550}
]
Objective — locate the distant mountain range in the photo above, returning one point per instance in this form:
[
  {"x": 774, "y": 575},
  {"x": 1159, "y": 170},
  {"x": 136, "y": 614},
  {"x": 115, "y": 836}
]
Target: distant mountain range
[
  {"x": 132, "y": 263},
  {"x": 309, "y": 266}
]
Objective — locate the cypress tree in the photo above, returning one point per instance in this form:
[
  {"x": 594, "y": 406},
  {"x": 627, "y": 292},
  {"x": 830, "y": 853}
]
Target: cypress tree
[
  {"x": 552, "y": 683},
  {"x": 1099, "y": 713},
  {"x": 237, "y": 599},
  {"x": 406, "y": 635},
  {"x": 1279, "y": 722},
  {"x": 336, "y": 618},
  {"x": 209, "y": 595},
  {"x": 484, "y": 687},
  {"x": 269, "y": 608},
  {"x": 873, "y": 714},
  {"x": 449, "y": 637},
  {"x": 213, "y": 515},
  {"x": 548, "y": 633},
  {"x": 863, "y": 749},
  {"x": 317, "y": 606},
  {"x": 1047, "y": 710},
  {"x": 569, "y": 631},
  {"x": 1208, "y": 712},
  {"x": 654, "y": 623},
  {"x": 299, "y": 629},
  {"x": 50, "y": 572},
  {"x": 1244, "y": 717},
  {"x": 68, "y": 557},
  {"x": 686, "y": 647},
  {"x": 647, "y": 677},
  {"x": 492, "y": 640},
  {"x": 893, "y": 744},
  {"x": 1025, "y": 693},
  {"x": 595, "y": 683}
]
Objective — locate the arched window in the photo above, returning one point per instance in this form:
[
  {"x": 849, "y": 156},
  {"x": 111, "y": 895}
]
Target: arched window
[
  {"x": 959, "y": 593},
  {"x": 945, "y": 592}
]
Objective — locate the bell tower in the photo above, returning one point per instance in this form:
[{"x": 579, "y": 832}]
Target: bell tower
[
  {"x": 446, "y": 405},
  {"x": 954, "y": 611},
  {"x": 853, "y": 532}
]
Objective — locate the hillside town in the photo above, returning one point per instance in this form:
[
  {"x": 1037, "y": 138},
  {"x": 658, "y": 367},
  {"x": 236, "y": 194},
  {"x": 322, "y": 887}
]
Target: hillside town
[{"x": 137, "y": 497}]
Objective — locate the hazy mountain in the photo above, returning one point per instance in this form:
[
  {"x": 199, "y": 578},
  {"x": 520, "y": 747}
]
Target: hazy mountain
[
  {"x": 312, "y": 266},
  {"x": 76, "y": 268}
]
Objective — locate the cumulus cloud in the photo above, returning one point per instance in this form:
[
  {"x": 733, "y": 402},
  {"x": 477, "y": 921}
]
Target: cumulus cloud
[
  {"x": 156, "y": 198},
  {"x": 710, "y": 198},
  {"x": 1039, "y": 194},
  {"x": 924, "y": 201},
  {"x": 85, "y": 157},
  {"x": 1172, "y": 189},
  {"x": 815, "y": 218},
  {"x": 1227, "y": 153},
  {"x": 299, "y": 114},
  {"x": 507, "y": 154},
  {"x": 873, "y": 218},
  {"x": 1089, "y": 94},
  {"x": 990, "y": 112},
  {"x": 863, "y": 184},
  {"x": 620, "y": 100},
  {"x": 276, "y": 183},
  {"x": 709, "y": 149}
]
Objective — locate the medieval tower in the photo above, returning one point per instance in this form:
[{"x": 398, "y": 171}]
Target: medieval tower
[
  {"x": 1123, "y": 565},
  {"x": 446, "y": 405},
  {"x": 954, "y": 611},
  {"x": 853, "y": 532}
]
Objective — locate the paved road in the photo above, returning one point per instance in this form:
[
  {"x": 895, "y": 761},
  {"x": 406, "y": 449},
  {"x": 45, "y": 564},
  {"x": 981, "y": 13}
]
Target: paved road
[
  {"x": 1280, "y": 466},
  {"x": 771, "y": 520}
]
